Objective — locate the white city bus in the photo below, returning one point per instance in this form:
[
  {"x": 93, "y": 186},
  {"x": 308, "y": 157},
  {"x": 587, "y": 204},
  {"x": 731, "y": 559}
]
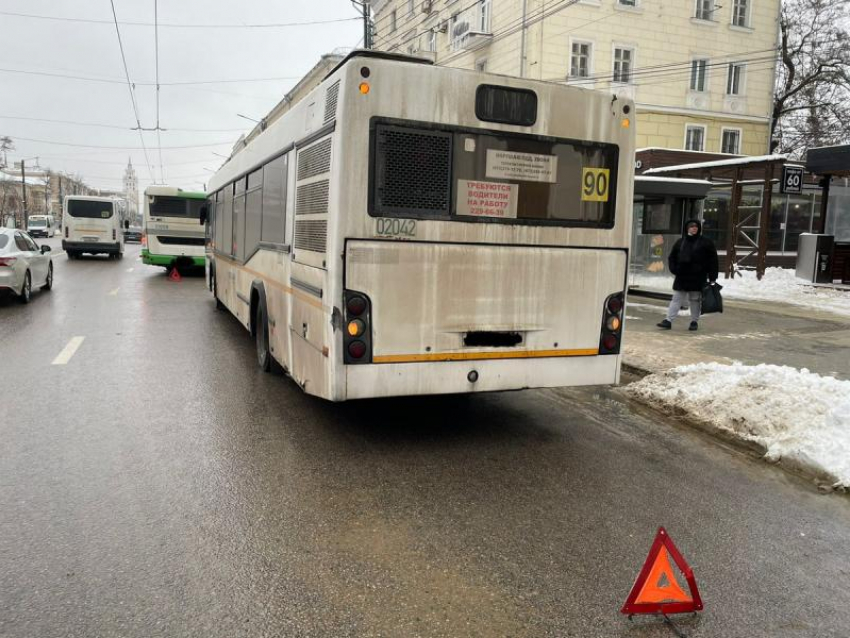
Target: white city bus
[
  {"x": 408, "y": 229},
  {"x": 92, "y": 225},
  {"x": 172, "y": 234}
]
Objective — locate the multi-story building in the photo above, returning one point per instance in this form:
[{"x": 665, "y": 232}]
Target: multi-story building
[{"x": 701, "y": 72}]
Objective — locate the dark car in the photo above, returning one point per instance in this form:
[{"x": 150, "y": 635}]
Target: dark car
[{"x": 134, "y": 233}]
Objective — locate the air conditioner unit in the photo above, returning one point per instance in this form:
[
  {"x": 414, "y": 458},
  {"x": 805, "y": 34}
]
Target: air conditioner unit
[
  {"x": 427, "y": 6},
  {"x": 443, "y": 27}
]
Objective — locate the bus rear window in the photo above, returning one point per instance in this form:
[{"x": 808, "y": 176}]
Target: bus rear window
[
  {"x": 489, "y": 176},
  {"x": 176, "y": 207},
  {"x": 89, "y": 209},
  {"x": 503, "y": 177}
]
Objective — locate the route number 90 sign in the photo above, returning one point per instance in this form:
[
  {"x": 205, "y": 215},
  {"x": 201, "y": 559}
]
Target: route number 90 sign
[
  {"x": 594, "y": 184},
  {"x": 792, "y": 180}
]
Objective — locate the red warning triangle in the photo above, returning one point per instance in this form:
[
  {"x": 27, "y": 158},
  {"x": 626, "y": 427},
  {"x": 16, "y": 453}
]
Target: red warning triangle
[
  {"x": 174, "y": 275},
  {"x": 657, "y": 590}
]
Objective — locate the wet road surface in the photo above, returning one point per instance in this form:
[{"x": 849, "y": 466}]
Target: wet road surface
[{"x": 159, "y": 484}]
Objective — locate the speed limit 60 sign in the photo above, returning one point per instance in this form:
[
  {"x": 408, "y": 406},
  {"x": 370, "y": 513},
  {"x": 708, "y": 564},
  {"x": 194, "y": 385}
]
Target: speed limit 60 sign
[{"x": 792, "y": 180}]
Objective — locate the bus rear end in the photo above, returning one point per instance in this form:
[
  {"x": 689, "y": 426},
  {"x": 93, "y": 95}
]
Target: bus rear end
[
  {"x": 91, "y": 225},
  {"x": 173, "y": 233},
  {"x": 492, "y": 248}
]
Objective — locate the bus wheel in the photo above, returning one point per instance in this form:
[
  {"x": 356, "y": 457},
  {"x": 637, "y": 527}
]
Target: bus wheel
[
  {"x": 264, "y": 357},
  {"x": 218, "y": 304}
]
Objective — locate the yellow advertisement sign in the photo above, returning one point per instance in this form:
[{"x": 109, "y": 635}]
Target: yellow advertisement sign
[{"x": 594, "y": 184}]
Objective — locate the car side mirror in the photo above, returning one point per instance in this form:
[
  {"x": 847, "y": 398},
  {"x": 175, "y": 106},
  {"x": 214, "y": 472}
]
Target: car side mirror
[
  {"x": 203, "y": 217},
  {"x": 45, "y": 249},
  {"x": 126, "y": 224}
]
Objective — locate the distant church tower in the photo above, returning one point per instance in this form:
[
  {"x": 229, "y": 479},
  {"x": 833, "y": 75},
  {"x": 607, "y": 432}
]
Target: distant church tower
[{"x": 131, "y": 191}]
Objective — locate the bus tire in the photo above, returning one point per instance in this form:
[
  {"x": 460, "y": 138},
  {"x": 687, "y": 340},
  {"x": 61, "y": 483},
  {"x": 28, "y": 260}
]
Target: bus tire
[
  {"x": 261, "y": 336},
  {"x": 218, "y": 304}
]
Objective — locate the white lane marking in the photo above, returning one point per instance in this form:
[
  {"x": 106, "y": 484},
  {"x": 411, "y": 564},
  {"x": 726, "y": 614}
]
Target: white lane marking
[
  {"x": 59, "y": 254},
  {"x": 130, "y": 269},
  {"x": 68, "y": 351},
  {"x": 113, "y": 293}
]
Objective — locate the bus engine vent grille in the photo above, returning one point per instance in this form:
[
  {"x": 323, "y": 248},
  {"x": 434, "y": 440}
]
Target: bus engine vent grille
[
  {"x": 312, "y": 199},
  {"x": 311, "y": 234},
  {"x": 412, "y": 171},
  {"x": 331, "y": 98},
  {"x": 315, "y": 160}
]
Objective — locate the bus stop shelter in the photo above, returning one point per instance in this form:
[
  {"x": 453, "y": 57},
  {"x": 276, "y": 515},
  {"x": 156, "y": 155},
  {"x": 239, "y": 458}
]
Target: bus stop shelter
[{"x": 741, "y": 245}]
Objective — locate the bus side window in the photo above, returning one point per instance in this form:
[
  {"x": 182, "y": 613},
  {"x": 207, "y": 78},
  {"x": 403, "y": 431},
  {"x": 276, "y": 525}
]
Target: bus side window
[
  {"x": 274, "y": 200},
  {"x": 226, "y": 244},
  {"x": 253, "y": 212}
]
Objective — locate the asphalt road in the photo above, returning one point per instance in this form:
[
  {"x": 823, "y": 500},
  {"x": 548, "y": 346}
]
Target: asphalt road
[{"x": 158, "y": 484}]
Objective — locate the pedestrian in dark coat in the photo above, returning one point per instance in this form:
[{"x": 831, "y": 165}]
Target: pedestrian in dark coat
[{"x": 693, "y": 261}]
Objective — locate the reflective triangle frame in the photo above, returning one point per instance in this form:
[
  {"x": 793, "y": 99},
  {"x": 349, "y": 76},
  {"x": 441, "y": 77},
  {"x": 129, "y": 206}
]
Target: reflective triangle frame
[{"x": 632, "y": 607}]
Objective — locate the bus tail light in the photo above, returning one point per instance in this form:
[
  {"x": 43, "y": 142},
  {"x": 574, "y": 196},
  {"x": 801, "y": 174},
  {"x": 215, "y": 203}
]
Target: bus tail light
[
  {"x": 357, "y": 337},
  {"x": 66, "y": 232},
  {"x": 612, "y": 324},
  {"x": 144, "y": 239},
  {"x": 113, "y": 235}
]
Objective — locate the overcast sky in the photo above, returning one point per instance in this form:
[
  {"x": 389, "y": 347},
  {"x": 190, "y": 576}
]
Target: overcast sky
[{"x": 90, "y": 50}]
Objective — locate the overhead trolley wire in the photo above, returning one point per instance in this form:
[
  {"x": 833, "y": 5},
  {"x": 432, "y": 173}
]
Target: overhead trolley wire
[
  {"x": 130, "y": 88},
  {"x": 156, "y": 53},
  {"x": 122, "y": 148},
  {"x": 268, "y": 25}
]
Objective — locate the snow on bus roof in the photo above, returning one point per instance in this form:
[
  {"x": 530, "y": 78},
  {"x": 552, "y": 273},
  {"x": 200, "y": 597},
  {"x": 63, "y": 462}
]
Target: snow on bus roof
[{"x": 738, "y": 161}]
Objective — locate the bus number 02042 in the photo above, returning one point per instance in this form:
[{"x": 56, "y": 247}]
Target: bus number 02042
[{"x": 400, "y": 228}]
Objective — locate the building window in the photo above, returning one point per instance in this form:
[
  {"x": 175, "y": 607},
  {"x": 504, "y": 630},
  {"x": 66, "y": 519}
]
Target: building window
[
  {"x": 580, "y": 60},
  {"x": 698, "y": 70},
  {"x": 484, "y": 13},
  {"x": 627, "y": 3},
  {"x": 623, "y": 60},
  {"x": 731, "y": 141},
  {"x": 734, "y": 78},
  {"x": 431, "y": 42},
  {"x": 694, "y": 137},
  {"x": 740, "y": 9},
  {"x": 704, "y": 10},
  {"x": 393, "y": 24}
]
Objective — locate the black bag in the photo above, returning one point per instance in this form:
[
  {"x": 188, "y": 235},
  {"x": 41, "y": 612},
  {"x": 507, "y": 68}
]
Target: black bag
[{"x": 712, "y": 301}]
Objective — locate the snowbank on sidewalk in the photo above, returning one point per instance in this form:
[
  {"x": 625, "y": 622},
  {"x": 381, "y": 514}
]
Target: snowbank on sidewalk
[
  {"x": 780, "y": 284},
  {"x": 799, "y": 417}
]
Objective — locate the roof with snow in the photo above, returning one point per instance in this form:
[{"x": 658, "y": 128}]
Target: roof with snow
[{"x": 737, "y": 162}]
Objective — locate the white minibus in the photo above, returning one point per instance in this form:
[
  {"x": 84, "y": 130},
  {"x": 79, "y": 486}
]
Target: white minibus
[
  {"x": 92, "y": 225},
  {"x": 41, "y": 225}
]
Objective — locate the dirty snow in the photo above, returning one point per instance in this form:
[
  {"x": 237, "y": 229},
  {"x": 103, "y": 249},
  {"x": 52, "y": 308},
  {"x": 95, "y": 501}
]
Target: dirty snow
[
  {"x": 780, "y": 284},
  {"x": 799, "y": 417}
]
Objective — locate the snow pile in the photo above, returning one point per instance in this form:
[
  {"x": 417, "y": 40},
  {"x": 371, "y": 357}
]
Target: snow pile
[
  {"x": 799, "y": 417},
  {"x": 780, "y": 284}
]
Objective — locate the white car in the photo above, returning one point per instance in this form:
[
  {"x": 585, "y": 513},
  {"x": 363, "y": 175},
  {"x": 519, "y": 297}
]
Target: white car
[{"x": 23, "y": 265}]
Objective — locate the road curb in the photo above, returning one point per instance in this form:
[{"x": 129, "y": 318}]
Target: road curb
[{"x": 824, "y": 481}]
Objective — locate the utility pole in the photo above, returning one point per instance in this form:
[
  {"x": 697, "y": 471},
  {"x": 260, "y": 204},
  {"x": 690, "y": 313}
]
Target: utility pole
[
  {"x": 24, "y": 192},
  {"x": 366, "y": 11}
]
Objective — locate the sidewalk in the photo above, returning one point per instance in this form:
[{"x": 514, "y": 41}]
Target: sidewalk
[
  {"x": 772, "y": 376},
  {"x": 752, "y": 333}
]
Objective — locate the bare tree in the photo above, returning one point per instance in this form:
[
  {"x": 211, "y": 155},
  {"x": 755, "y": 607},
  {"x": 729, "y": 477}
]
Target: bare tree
[
  {"x": 6, "y": 145},
  {"x": 811, "y": 104}
]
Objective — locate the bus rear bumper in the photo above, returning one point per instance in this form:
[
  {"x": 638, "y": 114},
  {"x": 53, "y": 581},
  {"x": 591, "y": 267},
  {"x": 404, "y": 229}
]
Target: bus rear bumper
[
  {"x": 167, "y": 261},
  {"x": 93, "y": 248},
  {"x": 451, "y": 377}
]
